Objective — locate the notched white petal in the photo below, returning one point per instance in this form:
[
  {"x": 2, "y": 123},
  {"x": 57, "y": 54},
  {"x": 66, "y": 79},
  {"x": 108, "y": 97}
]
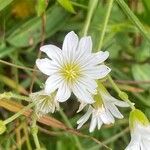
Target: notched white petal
[
  {"x": 52, "y": 51},
  {"x": 52, "y": 83},
  {"x": 100, "y": 57},
  {"x": 63, "y": 92},
  {"x": 85, "y": 45},
  {"x": 98, "y": 72},
  {"x": 46, "y": 66}
]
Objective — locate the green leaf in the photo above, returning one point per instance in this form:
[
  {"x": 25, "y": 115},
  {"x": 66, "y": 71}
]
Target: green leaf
[
  {"x": 29, "y": 33},
  {"x": 146, "y": 4},
  {"x": 143, "y": 52},
  {"x": 67, "y": 5},
  {"x": 41, "y": 7},
  {"x": 141, "y": 73},
  {"x": 4, "y": 3},
  {"x": 133, "y": 18}
]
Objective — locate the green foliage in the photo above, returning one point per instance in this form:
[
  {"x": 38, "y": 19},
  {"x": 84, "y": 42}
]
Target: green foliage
[
  {"x": 4, "y": 3},
  {"x": 41, "y": 7},
  {"x": 67, "y": 5},
  {"x": 141, "y": 73},
  {"x": 127, "y": 40}
]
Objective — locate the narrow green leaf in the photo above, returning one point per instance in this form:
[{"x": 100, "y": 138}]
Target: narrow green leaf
[
  {"x": 67, "y": 5},
  {"x": 146, "y": 4},
  {"x": 30, "y": 32},
  {"x": 141, "y": 73},
  {"x": 41, "y": 7},
  {"x": 133, "y": 18},
  {"x": 4, "y": 3}
]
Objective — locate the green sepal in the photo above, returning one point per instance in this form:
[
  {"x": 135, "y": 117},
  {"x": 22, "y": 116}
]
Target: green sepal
[{"x": 137, "y": 116}]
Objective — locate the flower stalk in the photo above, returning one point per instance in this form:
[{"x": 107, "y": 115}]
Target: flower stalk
[
  {"x": 108, "y": 11},
  {"x": 18, "y": 113},
  {"x": 34, "y": 131},
  {"x": 9, "y": 95},
  {"x": 121, "y": 94},
  {"x": 92, "y": 6}
]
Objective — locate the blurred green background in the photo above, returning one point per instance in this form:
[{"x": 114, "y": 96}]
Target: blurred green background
[{"x": 25, "y": 23}]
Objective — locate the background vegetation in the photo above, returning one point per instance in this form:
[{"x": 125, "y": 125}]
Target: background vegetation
[{"x": 27, "y": 24}]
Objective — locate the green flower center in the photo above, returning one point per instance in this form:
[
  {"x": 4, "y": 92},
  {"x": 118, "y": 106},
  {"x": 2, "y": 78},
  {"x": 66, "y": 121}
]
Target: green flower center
[{"x": 70, "y": 72}]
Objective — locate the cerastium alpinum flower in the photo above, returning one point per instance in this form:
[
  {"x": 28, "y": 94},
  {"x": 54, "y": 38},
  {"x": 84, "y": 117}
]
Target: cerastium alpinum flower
[
  {"x": 140, "y": 131},
  {"x": 104, "y": 110},
  {"x": 44, "y": 103},
  {"x": 73, "y": 69}
]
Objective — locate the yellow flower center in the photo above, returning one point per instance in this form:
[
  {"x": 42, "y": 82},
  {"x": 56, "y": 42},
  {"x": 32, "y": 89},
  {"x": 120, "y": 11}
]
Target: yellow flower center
[{"x": 70, "y": 72}]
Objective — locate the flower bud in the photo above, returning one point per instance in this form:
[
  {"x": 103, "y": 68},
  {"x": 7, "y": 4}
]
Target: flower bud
[{"x": 137, "y": 116}]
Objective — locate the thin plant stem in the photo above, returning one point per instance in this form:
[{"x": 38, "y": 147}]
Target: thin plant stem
[
  {"x": 9, "y": 95},
  {"x": 17, "y": 66},
  {"x": 110, "y": 5},
  {"x": 133, "y": 18},
  {"x": 34, "y": 130},
  {"x": 92, "y": 6},
  {"x": 70, "y": 126},
  {"x": 79, "y": 5},
  {"x": 43, "y": 18},
  {"x": 121, "y": 94},
  {"x": 18, "y": 113},
  {"x": 28, "y": 144}
]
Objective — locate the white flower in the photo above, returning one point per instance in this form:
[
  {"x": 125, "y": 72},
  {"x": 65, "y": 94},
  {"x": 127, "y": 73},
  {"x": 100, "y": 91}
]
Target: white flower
[
  {"x": 73, "y": 69},
  {"x": 106, "y": 112},
  {"x": 44, "y": 103},
  {"x": 140, "y": 131},
  {"x": 140, "y": 138}
]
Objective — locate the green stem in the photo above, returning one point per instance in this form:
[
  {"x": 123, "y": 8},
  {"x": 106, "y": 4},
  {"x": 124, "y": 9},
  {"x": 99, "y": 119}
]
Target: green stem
[
  {"x": 110, "y": 4},
  {"x": 121, "y": 94},
  {"x": 133, "y": 18},
  {"x": 9, "y": 95},
  {"x": 18, "y": 113},
  {"x": 34, "y": 130},
  {"x": 70, "y": 126},
  {"x": 92, "y": 6}
]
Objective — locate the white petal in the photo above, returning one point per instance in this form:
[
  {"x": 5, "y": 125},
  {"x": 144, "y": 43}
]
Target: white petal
[
  {"x": 99, "y": 123},
  {"x": 85, "y": 45},
  {"x": 100, "y": 56},
  {"x": 110, "y": 117},
  {"x": 52, "y": 83},
  {"x": 114, "y": 110},
  {"x": 106, "y": 117},
  {"x": 135, "y": 146},
  {"x": 135, "y": 141},
  {"x": 82, "y": 105},
  {"x": 70, "y": 45},
  {"x": 84, "y": 118},
  {"x": 46, "y": 66},
  {"x": 53, "y": 52},
  {"x": 63, "y": 92},
  {"x": 145, "y": 144},
  {"x": 117, "y": 102},
  {"x": 89, "y": 84},
  {"x": 98, "y": 72},
  {"x": 92, "y": 124},
  {"x": 82, "y": 94}
]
